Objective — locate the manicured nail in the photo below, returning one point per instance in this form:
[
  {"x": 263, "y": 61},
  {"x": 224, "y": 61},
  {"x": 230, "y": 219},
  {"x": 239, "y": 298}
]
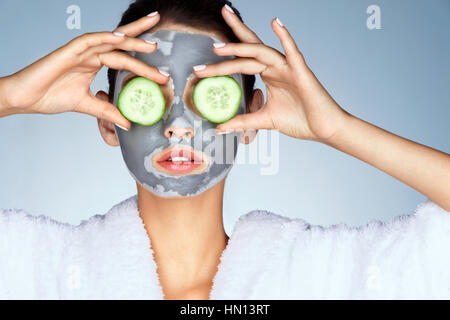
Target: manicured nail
[
  {"x": 121, "y": 127},
  {"x": 220, "y": 131},
  {"x": 154, "y": 13},
  {"x": 229, "y": 8},
  {"x": 200, "y": 67},
  {"x": 165, "y": 74},
  {"x": 150, "y": 41},
  {"x": 279, "y": 22},
  {"x": 119, "y": 34},
  {"x": 219, "y": 45}
]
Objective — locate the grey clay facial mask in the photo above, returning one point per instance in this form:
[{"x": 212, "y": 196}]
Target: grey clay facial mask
[{"x": 144, "y": 149}]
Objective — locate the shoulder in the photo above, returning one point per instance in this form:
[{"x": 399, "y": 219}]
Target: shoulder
[
  {"x": 28, "y": 248},
  {"x": 41, "y": 248},
  {"x": 404, "y": 255},
  {"x": 24, "y": 236},
  {"x": 427, "y": 215},
  {"x": 427, "y": 226},
  {"x": 21, "y": 232},
  {"x": 19, "y": 222}
]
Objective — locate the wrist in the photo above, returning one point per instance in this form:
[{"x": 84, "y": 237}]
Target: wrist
[
  {"x": 343, "y": 126},
  {"x": 3, "y": 104},
  {"x": 5, "y": 107}
]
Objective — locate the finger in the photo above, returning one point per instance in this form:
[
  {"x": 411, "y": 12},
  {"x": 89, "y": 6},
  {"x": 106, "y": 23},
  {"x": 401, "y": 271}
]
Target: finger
[
  {"x": 248, "y": 136},
  {"x": 239, "y": 28},
  {"x": 88, "y": 40},
  {"x": 139, "y": 26},
  {"x": 103, "y": 110},
  {"x": 122, "y": 61},
  {"x": 129, "y": 44},
  {"x": 228, "y": 67},
  {"x": 264, "y": 54},
  {"x": 293, "y": 54},
  {"x": 245, "y": 122}
]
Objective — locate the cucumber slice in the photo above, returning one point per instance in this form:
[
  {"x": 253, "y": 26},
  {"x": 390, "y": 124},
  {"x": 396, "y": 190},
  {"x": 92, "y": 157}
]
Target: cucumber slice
[
  {"x": 141, "y": 101},
  {"x": 217, "y": 98}
]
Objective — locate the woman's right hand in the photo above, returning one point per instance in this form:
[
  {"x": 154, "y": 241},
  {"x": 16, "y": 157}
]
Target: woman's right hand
[{"x": 60, "y": 82}]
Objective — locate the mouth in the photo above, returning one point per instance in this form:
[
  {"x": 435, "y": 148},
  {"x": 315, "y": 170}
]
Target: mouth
[{"x": 180, "y": 161}]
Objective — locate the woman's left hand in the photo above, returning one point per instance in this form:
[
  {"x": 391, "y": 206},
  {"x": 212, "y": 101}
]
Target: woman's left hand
[
  {"x": 297, "y": 104},
  {"x": 300, "y": 107}
]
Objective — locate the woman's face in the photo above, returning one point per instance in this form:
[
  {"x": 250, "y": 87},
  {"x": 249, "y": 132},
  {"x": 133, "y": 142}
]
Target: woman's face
[{"x": 181, "y": 155}]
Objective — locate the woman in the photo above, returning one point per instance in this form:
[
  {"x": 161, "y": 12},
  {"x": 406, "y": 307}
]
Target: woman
[{"x": 169, "y": 241}]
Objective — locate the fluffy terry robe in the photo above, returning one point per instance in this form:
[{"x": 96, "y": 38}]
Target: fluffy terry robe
[{"x": 267, "y": 257}]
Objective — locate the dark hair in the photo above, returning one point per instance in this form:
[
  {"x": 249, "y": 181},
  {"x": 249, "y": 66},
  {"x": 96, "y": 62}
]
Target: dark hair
[{"x": 202, "y": 14}]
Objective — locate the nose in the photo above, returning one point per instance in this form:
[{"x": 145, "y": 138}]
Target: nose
[{"x": 178, "y": 132}]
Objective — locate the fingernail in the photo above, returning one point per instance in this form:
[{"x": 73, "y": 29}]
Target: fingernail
[
  {"x": 121, "y": 127},
  {"x": 150, "y": 41},
  {"x": 219, "y": 45},
  {"x": 229, "y": 8},
  {"x": 200, "y": 67},
  {"x": 220, "y": 131},
  {"x": 279, "y": 22},
  {"x": 164, "y": 73},
  {"x": 154, "y": 13},
  {"x": 119, "y": 34}
]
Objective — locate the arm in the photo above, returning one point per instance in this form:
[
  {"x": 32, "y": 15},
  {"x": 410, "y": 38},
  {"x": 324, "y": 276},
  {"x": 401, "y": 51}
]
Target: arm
[
  {"x": 5, "y": 108},
  {"x": 299, "y": 106},
  {"x": 425, "y": 169}
]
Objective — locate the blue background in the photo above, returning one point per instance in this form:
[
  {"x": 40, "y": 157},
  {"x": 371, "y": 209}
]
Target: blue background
[{"x": 397, "y": 78}]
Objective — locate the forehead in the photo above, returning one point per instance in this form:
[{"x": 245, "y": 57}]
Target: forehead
[
  {"x": 178, "y": 52},
  {"x": 182, "y": 47}
]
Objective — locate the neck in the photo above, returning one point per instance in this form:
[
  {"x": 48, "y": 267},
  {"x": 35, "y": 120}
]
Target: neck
[{"x": 186, "y": 234}]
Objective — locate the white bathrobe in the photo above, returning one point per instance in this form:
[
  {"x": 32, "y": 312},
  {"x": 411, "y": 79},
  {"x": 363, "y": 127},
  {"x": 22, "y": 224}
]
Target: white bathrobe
[{"x": 267, "y": 257}]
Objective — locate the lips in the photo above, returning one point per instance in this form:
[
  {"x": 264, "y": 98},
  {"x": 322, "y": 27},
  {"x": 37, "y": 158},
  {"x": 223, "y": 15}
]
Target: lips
[{"x": 180, "y": 161}]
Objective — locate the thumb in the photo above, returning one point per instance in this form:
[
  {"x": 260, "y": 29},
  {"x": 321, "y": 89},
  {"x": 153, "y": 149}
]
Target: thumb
[
  {"x": 243, "y": 122},
  {"x": 100, "y": 108}
]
